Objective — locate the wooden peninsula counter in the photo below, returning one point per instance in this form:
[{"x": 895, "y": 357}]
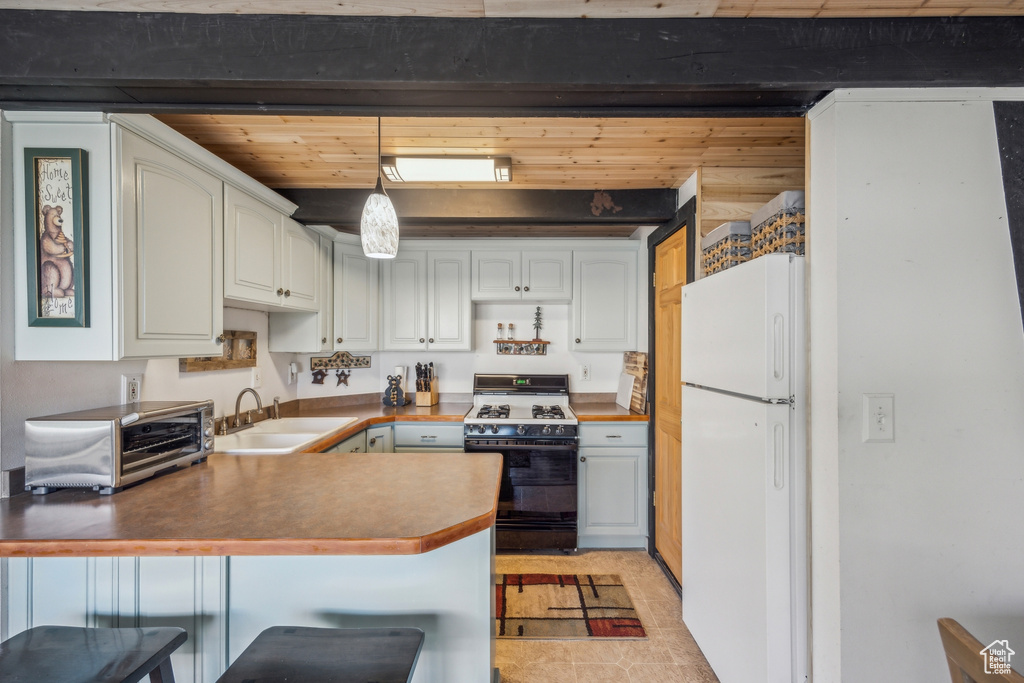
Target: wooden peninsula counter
[{"x": 234, "y": 545}]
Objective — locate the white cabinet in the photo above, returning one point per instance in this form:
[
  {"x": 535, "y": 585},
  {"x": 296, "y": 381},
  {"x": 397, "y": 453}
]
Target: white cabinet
[
  {"x": 252, "y": 248},
  {"x": 522, "y": 276},
  {"x": 300, "y": 266},
  {"x": 356, "y": 287},
  {"x": 170, "y": 234},
  {"x": 426, "y": 302},
  {"x": 269, "y": 258},
  {"x": 604, "y": 301},
  {"x": 380, "y": 439},
  {"x": 613, "y": 485},
  {"x": 301, "y": 332}
]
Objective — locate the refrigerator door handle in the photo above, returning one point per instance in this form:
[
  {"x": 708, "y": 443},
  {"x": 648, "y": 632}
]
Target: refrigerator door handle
[
  {"x": 779, "y": 455},
  {"x": 778, "y": 346}
]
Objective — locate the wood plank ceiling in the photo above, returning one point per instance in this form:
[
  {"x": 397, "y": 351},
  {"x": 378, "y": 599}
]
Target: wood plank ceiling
[{"x": 547, "y": 153}]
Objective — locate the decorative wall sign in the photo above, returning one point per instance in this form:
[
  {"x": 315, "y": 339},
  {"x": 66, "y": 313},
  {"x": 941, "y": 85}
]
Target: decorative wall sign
[
  {"x": 341, "y": 359},
  {"x": 239, "y": 352},
  {"x": 521, "y": 348},
  {"x": 56, "y": 224}
]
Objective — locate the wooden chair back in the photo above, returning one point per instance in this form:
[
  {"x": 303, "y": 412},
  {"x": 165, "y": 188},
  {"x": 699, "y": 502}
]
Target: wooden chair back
[{"x": 965, "y": 658}]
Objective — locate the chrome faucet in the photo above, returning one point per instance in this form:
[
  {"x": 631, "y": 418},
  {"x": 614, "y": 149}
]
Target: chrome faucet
[{"x": 238, "y": 404}]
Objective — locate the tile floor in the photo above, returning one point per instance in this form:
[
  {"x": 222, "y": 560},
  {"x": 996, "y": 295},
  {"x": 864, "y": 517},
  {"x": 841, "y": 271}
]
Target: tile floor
[{"x": 668, "y": 655}]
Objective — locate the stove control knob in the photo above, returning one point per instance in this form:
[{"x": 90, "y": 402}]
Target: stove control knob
[
  {"x": 559, "y": 429},
  {"x": 521, "y": 429},
  {"x": 494, "y": 429},
  {"x": 546, "y": 430}
]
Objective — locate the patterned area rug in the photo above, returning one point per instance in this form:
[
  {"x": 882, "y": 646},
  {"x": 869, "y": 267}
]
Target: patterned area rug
[{"x": 571, "y": 606}]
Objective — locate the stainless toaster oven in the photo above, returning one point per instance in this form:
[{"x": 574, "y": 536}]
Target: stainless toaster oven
[{"x": 106, "y": 449}]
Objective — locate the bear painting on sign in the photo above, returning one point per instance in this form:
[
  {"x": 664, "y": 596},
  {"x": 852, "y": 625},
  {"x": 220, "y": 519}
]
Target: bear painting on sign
[{"x": 56, "y": 229}]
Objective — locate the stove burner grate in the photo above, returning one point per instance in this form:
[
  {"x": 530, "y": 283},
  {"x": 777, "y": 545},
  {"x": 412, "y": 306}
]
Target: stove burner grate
[
  {"x": 490, "y": 412},
  {"x": 548, "y": 413}
]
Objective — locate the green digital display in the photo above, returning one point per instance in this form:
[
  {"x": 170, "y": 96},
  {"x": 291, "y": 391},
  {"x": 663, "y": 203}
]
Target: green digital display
[{"x": 520, "y": 381}]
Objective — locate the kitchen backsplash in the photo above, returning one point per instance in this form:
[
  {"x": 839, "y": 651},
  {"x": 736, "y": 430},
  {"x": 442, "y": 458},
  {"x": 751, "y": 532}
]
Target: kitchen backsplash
[{"x": 455, "y": 369}]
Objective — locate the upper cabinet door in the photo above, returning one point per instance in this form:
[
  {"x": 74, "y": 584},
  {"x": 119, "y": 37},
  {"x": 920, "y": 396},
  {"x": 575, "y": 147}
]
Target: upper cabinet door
[
  {"x": 172, "y": 234},
  {"x": 404, "y": 306},
  {"x": 252, "y": 248},
  {"x": 497, "y": 276},
  {"x": 300, "y": 272},
  {"x": 547, "y": 276},
  {"x": 604, "y": 301},
  {"x": 355, "y": 299},
  {"x": 450, "y": 321}
]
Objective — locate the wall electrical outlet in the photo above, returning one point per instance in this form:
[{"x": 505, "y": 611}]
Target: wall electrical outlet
[
  {"x": 257, "y": 377},
  {"x": 585, "y": 372},
  {"x": 131, "y": 388}
]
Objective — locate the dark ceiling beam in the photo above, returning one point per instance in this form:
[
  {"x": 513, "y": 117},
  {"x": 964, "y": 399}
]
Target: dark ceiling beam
[
  {"x": 207, "y": 62},
  {"x": 342, "y": 208}
]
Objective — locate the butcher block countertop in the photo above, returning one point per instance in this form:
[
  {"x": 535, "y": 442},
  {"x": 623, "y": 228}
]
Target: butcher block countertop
[{"x": 301, "y": 504}]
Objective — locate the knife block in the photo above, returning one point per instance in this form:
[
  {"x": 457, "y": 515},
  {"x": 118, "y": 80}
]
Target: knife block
[{"x": 428, "y": 398}]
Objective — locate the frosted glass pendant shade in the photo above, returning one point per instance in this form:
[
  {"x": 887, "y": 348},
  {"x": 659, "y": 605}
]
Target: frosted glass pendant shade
[{"x": 378, "y": 228}]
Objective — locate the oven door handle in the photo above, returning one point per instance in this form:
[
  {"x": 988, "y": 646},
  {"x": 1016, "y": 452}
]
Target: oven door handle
[{"x": 471, "y": 446}]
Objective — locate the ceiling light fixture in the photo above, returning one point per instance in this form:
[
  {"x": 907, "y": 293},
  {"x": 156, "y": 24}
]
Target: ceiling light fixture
[
  {"x": 378, "y": 227},
  {"x": 446, "y": 169}
]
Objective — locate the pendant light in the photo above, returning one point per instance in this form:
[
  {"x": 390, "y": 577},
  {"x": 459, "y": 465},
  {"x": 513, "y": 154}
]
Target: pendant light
[{"x": 378, "y": 228}]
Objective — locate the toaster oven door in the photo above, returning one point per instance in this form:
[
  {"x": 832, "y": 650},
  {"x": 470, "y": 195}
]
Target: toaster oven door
[{"x": 160, "y": 442}]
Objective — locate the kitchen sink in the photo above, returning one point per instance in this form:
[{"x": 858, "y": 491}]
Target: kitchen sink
[
  {"x": 280, "y": 437},
  {"x": 286, "y": 425}
]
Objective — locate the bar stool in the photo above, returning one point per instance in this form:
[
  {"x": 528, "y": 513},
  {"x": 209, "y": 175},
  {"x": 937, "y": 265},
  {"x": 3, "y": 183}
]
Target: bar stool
[
  {"x": 70, "y": 654},
  {"x": 328, "y": 655}
]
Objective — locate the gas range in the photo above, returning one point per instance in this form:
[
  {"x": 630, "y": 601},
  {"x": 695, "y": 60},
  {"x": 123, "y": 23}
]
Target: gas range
[
  {"x": 527, "y": 419},
  {"x": 518, "y": 406}
]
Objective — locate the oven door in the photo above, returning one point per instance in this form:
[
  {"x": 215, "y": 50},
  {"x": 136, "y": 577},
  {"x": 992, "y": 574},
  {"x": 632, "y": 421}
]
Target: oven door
[{"x": 537, "y": 500}]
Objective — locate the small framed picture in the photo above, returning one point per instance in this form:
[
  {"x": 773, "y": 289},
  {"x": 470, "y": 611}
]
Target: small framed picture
[{"x": 56, "y": 224}]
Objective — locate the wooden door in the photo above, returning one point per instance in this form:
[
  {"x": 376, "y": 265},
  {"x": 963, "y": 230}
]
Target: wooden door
[{"x": 670, "y": 275}]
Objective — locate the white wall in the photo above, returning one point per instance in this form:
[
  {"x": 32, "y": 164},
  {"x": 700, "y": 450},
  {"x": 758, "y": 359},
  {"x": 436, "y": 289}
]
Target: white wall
[{"x": 912, "y": 292}]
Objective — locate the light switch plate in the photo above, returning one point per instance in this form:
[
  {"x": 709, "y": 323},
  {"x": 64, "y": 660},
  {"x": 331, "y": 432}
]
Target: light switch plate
[
  {"x": 257, "y": 377},
  {"x": 879, "y": 418}
]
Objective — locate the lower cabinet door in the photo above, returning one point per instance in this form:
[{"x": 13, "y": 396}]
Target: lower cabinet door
[
  {"x": 380, "y": 439},
  {"x": 353, "y": 444},
  {"x": 612, "y": 497}
]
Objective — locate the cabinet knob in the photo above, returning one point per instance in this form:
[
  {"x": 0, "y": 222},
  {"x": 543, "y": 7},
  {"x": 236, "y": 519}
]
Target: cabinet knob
[
  {"x": 287, "y": 292},
  {"x": 373, "y": 440},
  {"x": 323, "y": 340},
  {"x": 583, "y": 458},
  {"x": 526, "y": 288},
  {"x": 339, "y": 340},
  {"x": 517, "y": 288},
  {"x": 280, "y": 291},
  {"x": 577, "y": 340},
  {"x": 422, "y": 340},
  {"x": 431, "y": 340},
  {"x": 221, "y": 338}
]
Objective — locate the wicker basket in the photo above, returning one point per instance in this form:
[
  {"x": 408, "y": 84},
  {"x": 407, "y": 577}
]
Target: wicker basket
[
  {"x": 778, "y": 226},
  {"x": 725, "y": 246}
]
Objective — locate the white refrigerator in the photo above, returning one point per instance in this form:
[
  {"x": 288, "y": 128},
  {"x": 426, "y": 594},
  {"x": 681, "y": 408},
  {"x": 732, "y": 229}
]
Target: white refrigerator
[{"x": 744, "y": 496}]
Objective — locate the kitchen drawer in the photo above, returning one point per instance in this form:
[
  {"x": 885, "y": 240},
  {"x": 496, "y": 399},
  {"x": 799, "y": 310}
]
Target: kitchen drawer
[
  {"x": 430, "y": 434},
  {"x": 626, "y": 434}
]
